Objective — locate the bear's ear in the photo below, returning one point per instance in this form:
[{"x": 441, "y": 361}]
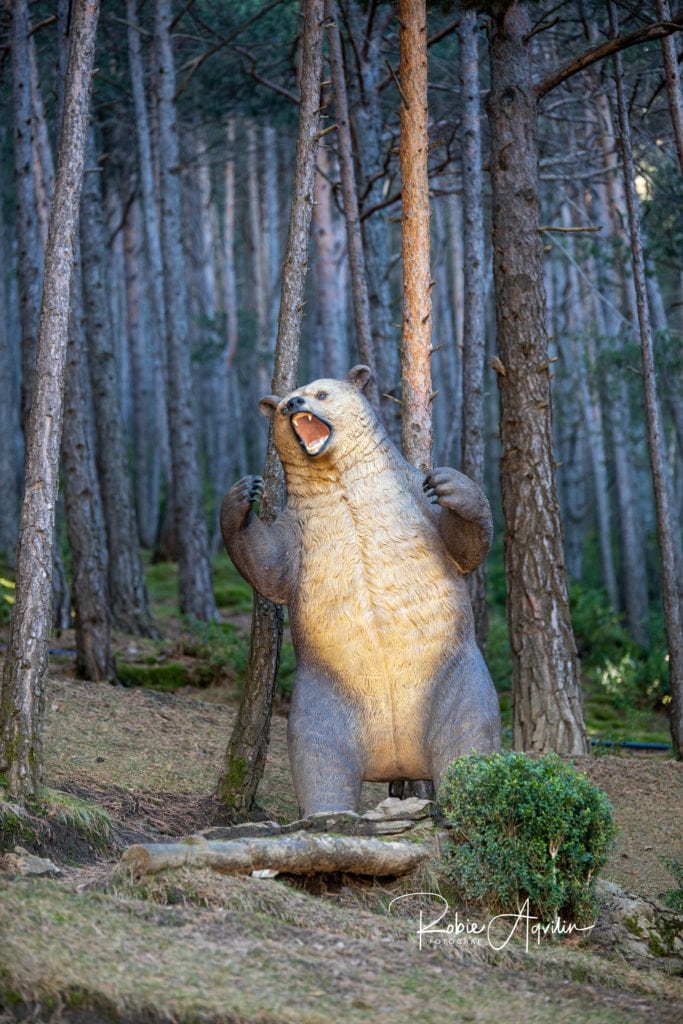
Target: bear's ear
[
  {"x": 359, "y": 376},
  {"x": 268, "y": 405}
]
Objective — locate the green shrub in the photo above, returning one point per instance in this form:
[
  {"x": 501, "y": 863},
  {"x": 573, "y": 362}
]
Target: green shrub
[
  {"x": 624, "y": 671},
  {"x": 674, "y": 897},
  {"x": 525, "y": 828},
  {"x": 6, "y": 597}
]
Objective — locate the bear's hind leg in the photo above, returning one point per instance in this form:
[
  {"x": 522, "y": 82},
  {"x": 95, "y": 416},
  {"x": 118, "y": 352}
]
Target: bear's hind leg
[
  {"x": 468, "y": 719},
  {"x": 324, "y": 749}
]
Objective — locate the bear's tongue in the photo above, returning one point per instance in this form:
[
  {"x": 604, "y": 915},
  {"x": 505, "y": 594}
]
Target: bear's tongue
[{"x": 311, "y": 431}]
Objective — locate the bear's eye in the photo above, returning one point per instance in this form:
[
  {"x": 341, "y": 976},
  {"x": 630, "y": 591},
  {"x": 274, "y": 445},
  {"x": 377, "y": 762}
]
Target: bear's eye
[{"x": 321, "y": 396}]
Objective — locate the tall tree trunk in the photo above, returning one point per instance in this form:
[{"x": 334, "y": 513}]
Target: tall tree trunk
[
  {"x": 354, "y": 236},
  {"x": 271, "y": 234},
  {"x": 225, "y": 415},
  {"x": 416, "y": 372},
  {"x": 547, "y": 703},
  {"x": 367, "y": 122},
  {"x": 155, "y": 269},
  {"x": 127, "y": 589},
  {"x": 146, "y": 455},
  {"x": 673, "y": 81},
  {"x": 194, "y": 569},
  {"x": 258, "y": 256},
  {"x": 584, "y": 374},
  {"x": 474, "y": 338},
  {"x": 83, "y": 508},
  {"x": 634, "y": 584},
  {"x": 9, "y": 402},
  {"x": 667, "y": 542},
  {"x": 455, "y": 234},
  {"x": 43, "y": 164},
  {"x": 23, "y": 696},
  {"x": 246, "y": 753},
  {"x": 329, "y": 275},
  {"x": 29, "y": 259},
  {"x": 446, "y": 409}
]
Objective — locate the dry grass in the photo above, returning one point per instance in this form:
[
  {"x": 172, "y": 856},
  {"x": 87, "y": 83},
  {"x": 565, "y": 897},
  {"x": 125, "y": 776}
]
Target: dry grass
[
  {"x": 193, "y": 946},
  {"x": 254, "y": 950}
]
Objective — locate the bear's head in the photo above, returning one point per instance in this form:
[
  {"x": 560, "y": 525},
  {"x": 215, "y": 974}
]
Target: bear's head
[{"x": 322, "y": 420}]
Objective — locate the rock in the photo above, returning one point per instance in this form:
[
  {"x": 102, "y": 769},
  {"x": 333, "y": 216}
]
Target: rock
[
  {"x": 21, "y": 862},
  {"x": 393, "y": 809},
  {"x": 644, "y": 932}
]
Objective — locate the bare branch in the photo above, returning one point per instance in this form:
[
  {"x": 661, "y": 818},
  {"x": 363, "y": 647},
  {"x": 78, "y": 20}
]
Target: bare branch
[
  {"x": 292, "y": 97},
  {"x": 197, "y": 62},
  {"x": 657, "y": 30}
]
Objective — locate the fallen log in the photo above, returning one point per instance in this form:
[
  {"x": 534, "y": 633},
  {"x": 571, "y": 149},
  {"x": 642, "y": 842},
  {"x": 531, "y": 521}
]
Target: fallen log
[{"x": 297, "y": 854}]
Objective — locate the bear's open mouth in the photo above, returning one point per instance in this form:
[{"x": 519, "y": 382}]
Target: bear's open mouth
[{"x": 312, "y": 433}]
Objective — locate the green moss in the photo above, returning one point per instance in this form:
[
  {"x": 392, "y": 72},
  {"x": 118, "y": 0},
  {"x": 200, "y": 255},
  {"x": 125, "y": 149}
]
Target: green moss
[
  {"x": 232, "y": 781},
  {"x": 656, "y": 947},
  {"x": 16, "y": 827},
  {"x": 169, "y": 676},
  {"x": 673, "y": 898},
  {"x": 236, "y": 596},
  {"x": 633, "y": 926}
]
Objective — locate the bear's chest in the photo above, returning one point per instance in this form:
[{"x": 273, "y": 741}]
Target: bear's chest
[{"x": 379, "y": 601}]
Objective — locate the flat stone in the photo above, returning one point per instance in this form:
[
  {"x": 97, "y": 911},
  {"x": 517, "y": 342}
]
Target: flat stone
[
  {"x": 21, "y": 862},
  {"x": 394, "y": 808}
]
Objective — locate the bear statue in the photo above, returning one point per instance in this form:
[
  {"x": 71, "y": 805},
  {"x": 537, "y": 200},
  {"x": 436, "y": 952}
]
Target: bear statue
[{"x": 371, "y": 559}]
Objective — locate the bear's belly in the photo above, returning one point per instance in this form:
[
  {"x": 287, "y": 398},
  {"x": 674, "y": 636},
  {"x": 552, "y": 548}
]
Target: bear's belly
[{"x": 381, "y": 609}]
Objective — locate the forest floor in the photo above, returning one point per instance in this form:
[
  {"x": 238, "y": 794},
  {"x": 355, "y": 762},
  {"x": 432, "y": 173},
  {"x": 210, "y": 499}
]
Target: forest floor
[{"x": 136, "y": 765}]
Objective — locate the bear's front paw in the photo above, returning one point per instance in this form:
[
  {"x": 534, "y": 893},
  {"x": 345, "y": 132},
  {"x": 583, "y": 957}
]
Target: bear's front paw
[
  {"x": 443, "y": 486},
  {"x": 242, "y": 495}
]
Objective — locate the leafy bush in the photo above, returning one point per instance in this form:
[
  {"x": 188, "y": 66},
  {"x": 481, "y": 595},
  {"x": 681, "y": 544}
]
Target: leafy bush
[
  {"x": 624, "y": 671},
  {"x": 525, "y": 828},
  {"x": 6, "y": 598},
  {"x": 674, "y": 897}
]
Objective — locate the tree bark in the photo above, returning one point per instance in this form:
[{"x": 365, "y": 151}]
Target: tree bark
[
  {"x": 634, "y": 583},
  {"x": 367, "y": 123},
  {"x": 456, "y": 291},
  {"x": 474, "y": 338},
  {"x": 29, "y": 257},
  {"x": 547, "y": 703},
  {"x": 245, "y": 755},
  {"x": 673, "y": 81},
  {"x": 127, "y": 589},
  {"x": 10, "y": 456},
  {"x": 225, "y": 414},
  {"x": 146, "y": 456},
  {"x": 83, "y": 508},
  {"x": 298, "y": 854},
  {"x": 152, "y": 248},
  {"x": 258, "y": 258},
  {"x": 23, "y": 697},
  {"x": 195, "y": 588},
  {"x": 354, "y": 236},
  {"x": 416, "y": 374},
  {"x": 43, "y": 163},
  {"x": 584, "y": 372},
  {"x": 667, "y": 543},
  {"x": 271, "y": 235},
  {"x": 330, "y": 275}
]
